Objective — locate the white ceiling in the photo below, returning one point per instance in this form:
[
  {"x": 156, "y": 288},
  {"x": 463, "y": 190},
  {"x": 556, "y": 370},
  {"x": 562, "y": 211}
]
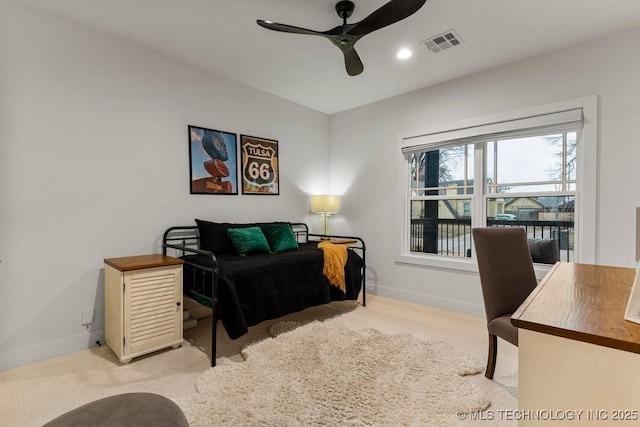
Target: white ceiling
[{"x": 222, "y": 36}]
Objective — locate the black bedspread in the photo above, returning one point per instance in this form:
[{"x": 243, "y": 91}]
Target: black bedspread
[{"x": 259, "y": 287}]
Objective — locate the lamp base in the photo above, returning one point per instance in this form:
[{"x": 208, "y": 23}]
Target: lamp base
[{"x": 325, "y": 225}]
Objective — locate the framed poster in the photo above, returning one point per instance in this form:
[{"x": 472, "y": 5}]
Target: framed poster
[
  {"x": 259, "y": 165},
  {"x": 213, "y": 161}
]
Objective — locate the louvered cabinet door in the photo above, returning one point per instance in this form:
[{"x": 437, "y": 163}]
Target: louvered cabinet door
[
  {"x": 143, "y": 304},
  {"x": 152, "y": 309}
]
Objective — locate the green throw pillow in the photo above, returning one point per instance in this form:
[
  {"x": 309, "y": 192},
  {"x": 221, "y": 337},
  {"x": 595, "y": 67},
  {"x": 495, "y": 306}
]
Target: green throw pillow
[
  {"x": 280, "y": 237},
  {"x": 248, "y": 240}
]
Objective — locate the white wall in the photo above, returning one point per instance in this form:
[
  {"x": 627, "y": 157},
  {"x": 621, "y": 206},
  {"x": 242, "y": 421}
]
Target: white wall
[
  {"x": 364, "y": 145},
  {"x": 94, "y": 164}
]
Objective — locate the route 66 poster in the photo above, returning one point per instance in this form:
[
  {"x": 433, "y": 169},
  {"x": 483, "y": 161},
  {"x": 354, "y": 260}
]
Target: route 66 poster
[{"x": 259, "y": 165}]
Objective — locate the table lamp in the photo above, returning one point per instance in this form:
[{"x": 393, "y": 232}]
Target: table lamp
[{"x": 325, "y": 206}]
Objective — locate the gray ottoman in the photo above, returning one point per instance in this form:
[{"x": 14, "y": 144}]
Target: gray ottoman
[{"x": 130, "y": 409}]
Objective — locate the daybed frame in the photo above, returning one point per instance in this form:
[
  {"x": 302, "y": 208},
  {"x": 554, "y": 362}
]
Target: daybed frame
[{"x": 186, "y": 240}]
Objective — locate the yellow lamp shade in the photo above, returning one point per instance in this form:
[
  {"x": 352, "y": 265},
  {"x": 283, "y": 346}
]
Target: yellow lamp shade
[{"x": 325, "y": 204}]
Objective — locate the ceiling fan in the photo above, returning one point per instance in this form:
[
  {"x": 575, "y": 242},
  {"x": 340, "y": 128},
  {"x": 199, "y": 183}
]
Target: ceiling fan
[{"x": 346, "y": 35}]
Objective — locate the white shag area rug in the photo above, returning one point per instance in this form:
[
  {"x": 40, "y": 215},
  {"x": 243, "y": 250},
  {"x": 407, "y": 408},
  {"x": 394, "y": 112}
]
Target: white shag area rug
[{"x": 324, "y": 374}]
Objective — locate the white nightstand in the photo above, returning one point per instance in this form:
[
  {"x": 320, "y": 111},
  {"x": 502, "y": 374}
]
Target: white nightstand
[{"x": 143, "y": 304}]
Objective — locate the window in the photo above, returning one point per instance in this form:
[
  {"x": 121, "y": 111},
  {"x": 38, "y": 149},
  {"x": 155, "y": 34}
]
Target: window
[
  {"x": 527, "y": 182},
  {"x": 441, "y": 200},
  {"x": 526, "y": 171}
]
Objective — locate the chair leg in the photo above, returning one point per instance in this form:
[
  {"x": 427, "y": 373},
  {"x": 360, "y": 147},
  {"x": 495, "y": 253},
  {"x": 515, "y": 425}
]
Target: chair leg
[{"x": 491, "y": 359}]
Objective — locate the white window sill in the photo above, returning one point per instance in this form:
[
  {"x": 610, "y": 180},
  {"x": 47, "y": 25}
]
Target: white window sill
[{"x": 456, "y": 264}]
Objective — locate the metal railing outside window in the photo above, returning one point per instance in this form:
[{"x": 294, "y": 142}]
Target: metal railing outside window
[{"x": 454, "y": 235}]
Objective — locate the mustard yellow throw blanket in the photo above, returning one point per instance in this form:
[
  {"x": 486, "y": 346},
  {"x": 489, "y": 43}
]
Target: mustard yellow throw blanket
[{"x": 335, "y": 258}]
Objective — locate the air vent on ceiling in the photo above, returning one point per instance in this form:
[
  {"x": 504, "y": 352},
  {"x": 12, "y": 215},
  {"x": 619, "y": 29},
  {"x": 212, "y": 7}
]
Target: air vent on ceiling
[{"x": 442, "y": 41}]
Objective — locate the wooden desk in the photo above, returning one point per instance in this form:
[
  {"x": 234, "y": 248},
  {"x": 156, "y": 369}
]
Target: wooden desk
[{"x": 576, "y": 351}]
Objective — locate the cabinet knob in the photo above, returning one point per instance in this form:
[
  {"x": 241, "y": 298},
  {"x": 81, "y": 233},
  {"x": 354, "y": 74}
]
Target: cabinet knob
[{"x": 178, "y": 303}]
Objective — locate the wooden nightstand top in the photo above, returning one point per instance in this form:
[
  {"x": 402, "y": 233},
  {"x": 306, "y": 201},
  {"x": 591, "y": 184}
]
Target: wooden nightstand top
[
  {"x": 343, "y": 241},
  {"x": 140, "y": 262}
]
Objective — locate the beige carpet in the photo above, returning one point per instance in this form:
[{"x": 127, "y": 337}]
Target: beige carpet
[{"x": 32, "y": 395}]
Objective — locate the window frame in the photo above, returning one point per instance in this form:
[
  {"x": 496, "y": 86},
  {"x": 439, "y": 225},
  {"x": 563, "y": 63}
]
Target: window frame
[{"x": 434, "y": 137}]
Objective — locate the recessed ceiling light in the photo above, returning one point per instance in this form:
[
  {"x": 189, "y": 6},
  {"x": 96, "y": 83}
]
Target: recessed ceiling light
[{"x": 404, "y": 53}]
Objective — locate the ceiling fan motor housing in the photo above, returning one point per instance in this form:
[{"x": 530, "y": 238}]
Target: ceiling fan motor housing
[{"x": 344, "y": 8}]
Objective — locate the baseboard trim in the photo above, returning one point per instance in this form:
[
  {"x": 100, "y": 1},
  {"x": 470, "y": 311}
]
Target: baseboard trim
[
  {"x": 429, "y": 300},
  {"x": 48, "y": 350}
]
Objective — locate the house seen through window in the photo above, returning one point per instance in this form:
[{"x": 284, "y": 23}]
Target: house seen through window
[{"x": 519, "y": 179}]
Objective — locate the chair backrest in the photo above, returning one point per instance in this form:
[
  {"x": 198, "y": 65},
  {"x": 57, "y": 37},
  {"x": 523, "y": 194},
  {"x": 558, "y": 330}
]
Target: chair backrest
[
  {"x": 506, "y": 269},
  {"x": 544, "y": 251}
]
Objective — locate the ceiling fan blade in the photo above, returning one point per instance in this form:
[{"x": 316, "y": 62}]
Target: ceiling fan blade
[
  {"x": 287, "y": 28},
  {"x": 352, "y": 61},
  {"x": 389, "y": 13}
]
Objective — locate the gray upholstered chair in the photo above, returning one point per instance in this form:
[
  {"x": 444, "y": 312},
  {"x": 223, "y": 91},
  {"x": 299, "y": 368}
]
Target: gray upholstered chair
[
  {"x": 544, "y": 251},
  {"x": 507, "y": 278}
]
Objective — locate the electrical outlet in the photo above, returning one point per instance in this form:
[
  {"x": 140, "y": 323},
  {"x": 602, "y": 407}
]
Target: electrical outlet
[{"x": 86, "y": 317}]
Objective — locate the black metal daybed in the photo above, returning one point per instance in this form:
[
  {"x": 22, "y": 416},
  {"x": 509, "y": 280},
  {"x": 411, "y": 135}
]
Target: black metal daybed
[{"x": 243, "y": 291}]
